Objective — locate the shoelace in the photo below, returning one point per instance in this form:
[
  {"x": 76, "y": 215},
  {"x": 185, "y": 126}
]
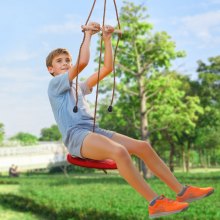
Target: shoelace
[{"x": 162, "y": 197}]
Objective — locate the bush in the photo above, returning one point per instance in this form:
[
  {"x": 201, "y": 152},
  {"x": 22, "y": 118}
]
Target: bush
[{"x": 25, "y": 138}]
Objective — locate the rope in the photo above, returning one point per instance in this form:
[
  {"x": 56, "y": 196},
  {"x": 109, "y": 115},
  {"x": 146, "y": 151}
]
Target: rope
[
  {"x": 100, "y": 60},
  {"x": 115, "y": 52},
  {"x": 75, "y": 109}
]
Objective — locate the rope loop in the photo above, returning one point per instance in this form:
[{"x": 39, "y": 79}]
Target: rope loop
[{"x": 119, "y": 32}]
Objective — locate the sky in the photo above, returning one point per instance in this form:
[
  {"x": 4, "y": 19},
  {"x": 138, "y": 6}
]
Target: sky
[{"x": 31, "y": 29}]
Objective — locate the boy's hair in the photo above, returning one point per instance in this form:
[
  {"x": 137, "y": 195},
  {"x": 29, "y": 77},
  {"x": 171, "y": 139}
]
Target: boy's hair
[{"x": 55, "y": 53}]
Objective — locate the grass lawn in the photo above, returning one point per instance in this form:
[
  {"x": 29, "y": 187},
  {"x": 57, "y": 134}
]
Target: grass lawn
[
  {"x": 9, "y": 214},
  {"x": 96, "y": 196}
]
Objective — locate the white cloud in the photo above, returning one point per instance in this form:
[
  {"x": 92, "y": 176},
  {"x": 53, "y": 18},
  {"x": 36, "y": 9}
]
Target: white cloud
[
  {"x": 72, "y": 24},
  {"x": 60, "y": 29},
  {"x": 26, "y": 114},
  {"x": 24, "y": 102},
  {"x": 214, "y": 1},
  {"x": 17, "y": 84},
  {"x": 15, "y": 74},
  {"x": 18, "y": 55},
  {"x": 205, "y": 27},
  {"x": 207, "y": 3}
]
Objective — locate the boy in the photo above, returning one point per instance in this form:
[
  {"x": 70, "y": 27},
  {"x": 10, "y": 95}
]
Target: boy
[{"x": 104, "y": 144}]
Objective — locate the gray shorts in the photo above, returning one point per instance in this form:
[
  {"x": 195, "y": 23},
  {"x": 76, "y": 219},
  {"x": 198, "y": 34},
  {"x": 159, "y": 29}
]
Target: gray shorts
[{"x": 77, "y": 136}]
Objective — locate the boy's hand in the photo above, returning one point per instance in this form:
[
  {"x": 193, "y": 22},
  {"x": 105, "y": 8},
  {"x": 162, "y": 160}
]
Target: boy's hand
[
  {"x": 95, "y": 28},
  {"x": 107, "y": 31}
]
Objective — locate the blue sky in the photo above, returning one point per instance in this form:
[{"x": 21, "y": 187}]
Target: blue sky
[{"x": 31, "y": 29}]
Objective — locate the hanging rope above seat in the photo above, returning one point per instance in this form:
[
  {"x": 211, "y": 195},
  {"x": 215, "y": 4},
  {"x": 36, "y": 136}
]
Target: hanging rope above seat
[
  {"x": 119, "y": 32},
  {"x": 98, "y": 164}
]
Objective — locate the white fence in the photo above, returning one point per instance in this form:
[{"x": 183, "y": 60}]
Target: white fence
[{"x": 39, "y": 156}]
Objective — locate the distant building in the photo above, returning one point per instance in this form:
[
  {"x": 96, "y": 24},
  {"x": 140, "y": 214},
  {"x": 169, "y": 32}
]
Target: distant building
[{"x": 44, "y": 155}]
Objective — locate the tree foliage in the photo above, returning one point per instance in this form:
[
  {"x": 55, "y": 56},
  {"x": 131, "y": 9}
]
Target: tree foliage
[
  {"x": 151, "y": 98},
  {"x": 2, "y": 132},
  {"x": 50, "y": 134},
  {"x": 207, "y": 87},
  {"x": 140, "y": 55},
  {"x": 25, "y": 138}
]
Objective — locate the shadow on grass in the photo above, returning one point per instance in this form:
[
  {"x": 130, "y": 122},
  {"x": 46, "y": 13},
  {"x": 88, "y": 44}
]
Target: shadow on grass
[
  {"x": 8, "y": 182},
  {"x": 90, "y": 180},
  {"x": 57, "y": 180},
  {"x": 20, "y": 203},
  {"x": 200, "y": 177}
]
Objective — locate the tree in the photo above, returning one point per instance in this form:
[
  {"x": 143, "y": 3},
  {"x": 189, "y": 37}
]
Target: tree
[
  {"x": 25, "y": 138},
  {"x": 177, "y": 113},
  {"x": 50, "y": 134},
  {"x": 141, "y": 55},
  {"x": 2, "y": 133},
  {"x": 207, "y": 87},
  {"x": 209, "y": 79}
]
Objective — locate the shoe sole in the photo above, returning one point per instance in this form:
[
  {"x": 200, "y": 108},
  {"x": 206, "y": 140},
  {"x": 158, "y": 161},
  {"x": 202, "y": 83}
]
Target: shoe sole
[
  {"x": 198, "y": 198},
  {"x": 167, "y": 213}
]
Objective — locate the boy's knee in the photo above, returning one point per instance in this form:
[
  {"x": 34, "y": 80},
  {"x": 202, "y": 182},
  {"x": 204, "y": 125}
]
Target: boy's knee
[
  {"x": 143, "y": 146},
  {"x": 121, "y": 152}
]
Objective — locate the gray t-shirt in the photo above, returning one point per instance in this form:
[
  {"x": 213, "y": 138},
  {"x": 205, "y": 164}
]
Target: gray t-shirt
[{"x": 62, "y": 96}]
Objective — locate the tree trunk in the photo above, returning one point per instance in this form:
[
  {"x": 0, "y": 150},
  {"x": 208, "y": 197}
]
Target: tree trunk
[
  {"x": 143, "y": 110},
  {"x": 201, "y": 158},
  {"x": 172, "y": 151},
  {"x": 143, "y": 120},
  {"x": 184, "y": 159},
  {"x": 188, "y": 156},
  {"x": 171, "y": 161},
  {"x": 207, "y": 159}
]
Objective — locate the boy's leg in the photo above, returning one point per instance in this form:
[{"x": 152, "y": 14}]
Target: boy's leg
[
  {"x": 99, "y": 147},
  {"x": 144, "y": 151}
]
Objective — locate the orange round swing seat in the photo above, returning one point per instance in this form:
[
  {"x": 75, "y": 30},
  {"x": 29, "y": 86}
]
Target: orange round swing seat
[{"x": 88, "y": 163}]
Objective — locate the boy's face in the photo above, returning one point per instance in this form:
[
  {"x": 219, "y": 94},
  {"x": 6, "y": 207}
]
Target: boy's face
[{"x": 60, "y": 64}]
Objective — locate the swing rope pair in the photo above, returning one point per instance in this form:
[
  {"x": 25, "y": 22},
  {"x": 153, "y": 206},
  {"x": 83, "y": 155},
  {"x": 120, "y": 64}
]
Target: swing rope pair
[
  {"x": 119, "y": 32},
  {"x": 97, "y": 164}
]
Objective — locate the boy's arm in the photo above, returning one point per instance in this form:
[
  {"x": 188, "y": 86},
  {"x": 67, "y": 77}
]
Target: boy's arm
[
  {"x": 85, "y": 52},
  {"x": 108, "y": 59}
]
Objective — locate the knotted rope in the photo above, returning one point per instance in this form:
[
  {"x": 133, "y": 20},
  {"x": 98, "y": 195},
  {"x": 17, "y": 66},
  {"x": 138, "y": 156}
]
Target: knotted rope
[{"x": 75, "y": 109}]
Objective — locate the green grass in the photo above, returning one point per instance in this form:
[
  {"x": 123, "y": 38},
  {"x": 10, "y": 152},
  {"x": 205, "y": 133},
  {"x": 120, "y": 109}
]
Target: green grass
[
  {"x": 96, "y": 196},
  {"x": 9, "y": 214}
]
